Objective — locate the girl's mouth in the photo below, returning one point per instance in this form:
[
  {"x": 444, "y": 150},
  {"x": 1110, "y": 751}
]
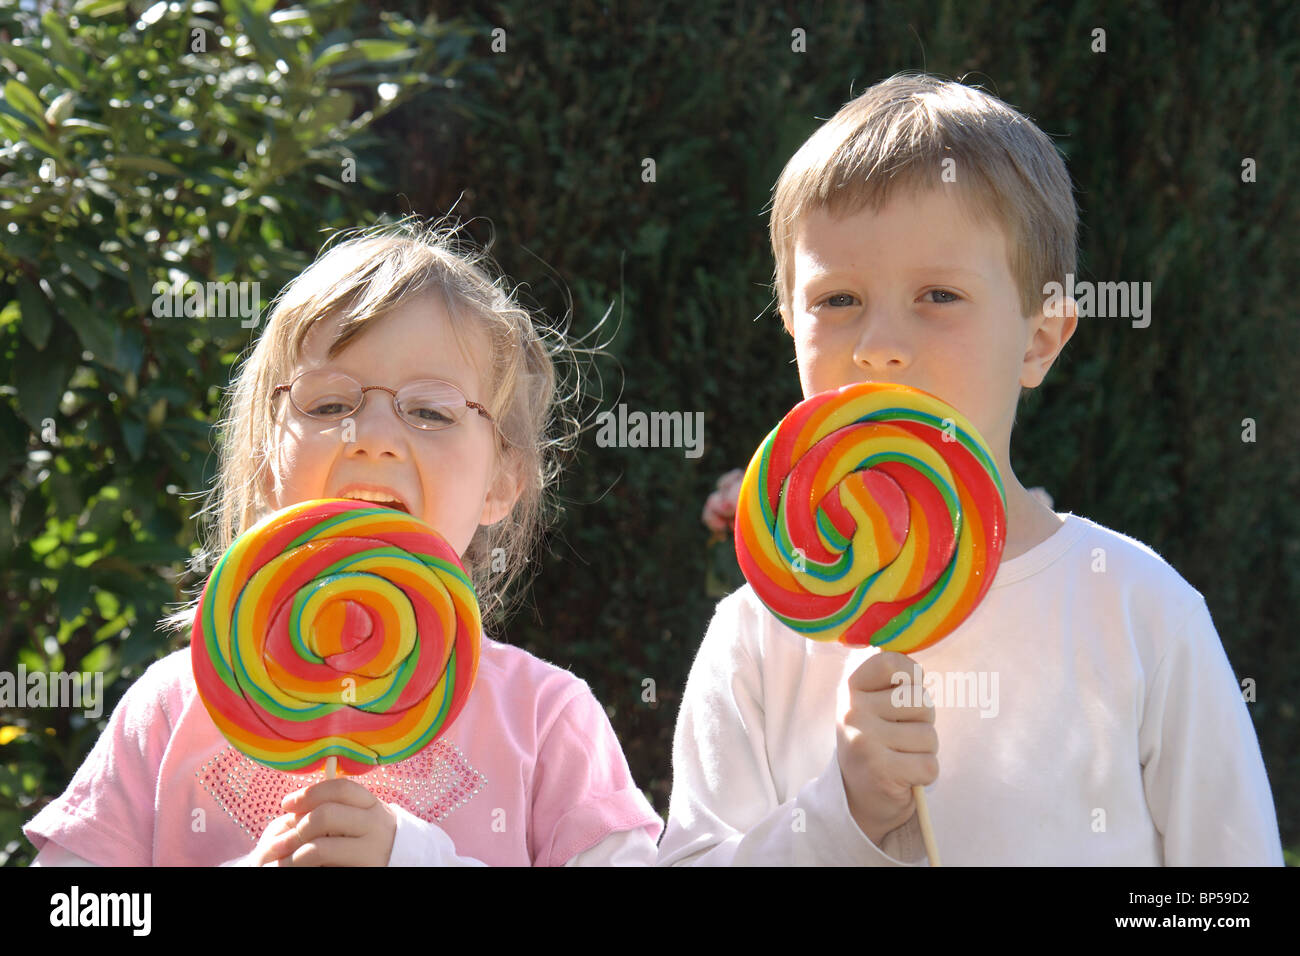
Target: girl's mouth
[{"x": 376, "y": 496}]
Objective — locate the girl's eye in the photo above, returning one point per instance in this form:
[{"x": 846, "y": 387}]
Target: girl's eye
[
  {"x": 432, "y": 413},
  {"x": 326, "y": 409},
  {"x": 839, "y": 300},
  {"x": 942, "y": 292}
]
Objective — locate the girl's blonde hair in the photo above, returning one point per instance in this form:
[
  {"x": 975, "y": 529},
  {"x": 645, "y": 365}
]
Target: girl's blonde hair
[{"x": 359, "y": 280}]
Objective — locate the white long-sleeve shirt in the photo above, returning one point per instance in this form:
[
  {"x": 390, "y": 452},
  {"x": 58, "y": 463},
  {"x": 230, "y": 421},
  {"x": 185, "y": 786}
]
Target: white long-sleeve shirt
[{"x": 1086, "y": 715}]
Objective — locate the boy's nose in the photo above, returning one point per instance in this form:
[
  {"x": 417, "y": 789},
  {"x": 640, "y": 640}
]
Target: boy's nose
[{"x": 882, "y": 346}]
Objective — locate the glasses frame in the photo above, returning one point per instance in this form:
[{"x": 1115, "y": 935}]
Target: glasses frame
[{"x": 383, "y": 388}]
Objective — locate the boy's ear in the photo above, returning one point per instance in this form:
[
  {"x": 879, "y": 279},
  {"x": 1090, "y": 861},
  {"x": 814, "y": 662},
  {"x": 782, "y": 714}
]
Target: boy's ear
[
  {"x": 784, "y": 311},
  {"x": 507, "y": 485},
  {"x": 1048, "y": 330}
]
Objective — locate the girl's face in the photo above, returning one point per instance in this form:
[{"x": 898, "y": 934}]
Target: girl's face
[{"x": 446, "y": 477}]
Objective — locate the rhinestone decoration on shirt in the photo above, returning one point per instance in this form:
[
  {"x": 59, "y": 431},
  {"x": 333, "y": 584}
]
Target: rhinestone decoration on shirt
[{"x": 431, "y": 785}]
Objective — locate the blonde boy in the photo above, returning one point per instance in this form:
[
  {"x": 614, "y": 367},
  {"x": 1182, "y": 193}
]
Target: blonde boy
[{"x": 1086, "y": 710}]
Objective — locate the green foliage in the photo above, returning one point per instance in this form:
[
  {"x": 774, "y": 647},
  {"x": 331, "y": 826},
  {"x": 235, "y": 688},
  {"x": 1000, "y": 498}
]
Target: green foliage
[{"x": 153, "y": 144}]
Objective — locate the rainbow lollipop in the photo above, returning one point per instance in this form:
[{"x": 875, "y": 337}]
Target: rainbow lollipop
[
  {"x": 872, "y": 514},
  {"x": 334, "y": 630}
]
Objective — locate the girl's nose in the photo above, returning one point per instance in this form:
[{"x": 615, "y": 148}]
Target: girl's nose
[{"x": 375, "y": 431}]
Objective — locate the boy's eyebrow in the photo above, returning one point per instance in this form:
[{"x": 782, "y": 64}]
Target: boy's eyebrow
[{"x": 818, "y": 272}]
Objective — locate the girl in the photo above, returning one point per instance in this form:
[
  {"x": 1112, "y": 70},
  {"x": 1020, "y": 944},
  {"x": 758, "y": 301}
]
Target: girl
[{"x": 531, "y": 772}]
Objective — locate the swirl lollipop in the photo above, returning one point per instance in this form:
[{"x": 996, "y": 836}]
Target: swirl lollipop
[
  {"x": 872, "y": 514},
  {"x": 334, "y": 630}
]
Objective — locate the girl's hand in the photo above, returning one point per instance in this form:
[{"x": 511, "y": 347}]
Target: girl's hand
[
  {"x": 333, "y": 823},
  {"x": 265, "y": 852}
]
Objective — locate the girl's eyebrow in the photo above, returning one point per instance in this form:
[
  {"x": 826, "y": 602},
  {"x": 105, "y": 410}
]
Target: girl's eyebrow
[{"x": 332, "y": 366}]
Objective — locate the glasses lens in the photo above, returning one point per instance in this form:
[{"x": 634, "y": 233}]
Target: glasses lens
[
  {"x": 430, "y": 404},
  {"x": 325, "y": 395}
]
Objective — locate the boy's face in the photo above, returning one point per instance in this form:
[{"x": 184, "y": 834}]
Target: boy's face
[{"x": 917, "y": 294}]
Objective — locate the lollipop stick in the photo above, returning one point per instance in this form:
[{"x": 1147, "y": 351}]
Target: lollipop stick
[
  {"x": 332, "y": 764},
  {"x": 927, "y": 830}
]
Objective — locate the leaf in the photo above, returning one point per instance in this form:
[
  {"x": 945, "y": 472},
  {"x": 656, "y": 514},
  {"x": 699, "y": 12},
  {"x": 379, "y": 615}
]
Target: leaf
[
  {"x": 31, "y": 62},
  {"x": 95, "y": 332},
  {"x": 148, "y": 164},
  {"x": 25, "y": 102},
  {"x": 77, "y": 127},
  {"x": 149, "y": 553},
  {"x": 265, "y": 42},
  {"x": 74, "y": 257},
  {"x": 60, "y": 51},
  {"x": 98, "y": 8},
  {"x": 372, "y": 51},
  {"x": 41, "y": 378},
  {"x": 61, "y": 108},
  {"x": 133, "y": 436},
  {"x": 36, "y": 320},
  {"x": 73, "y": 591}
]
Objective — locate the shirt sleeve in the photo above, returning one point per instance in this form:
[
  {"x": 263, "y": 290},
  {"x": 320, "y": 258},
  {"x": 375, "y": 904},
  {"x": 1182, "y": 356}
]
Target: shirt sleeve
[
  {"x": 421, "y": 843},
  {"x": 628, "y": 848},
  {"x": 55, "y": 855},
  {"x": 106, "y": 814},
  {"x": 724, "y": 808},
  {"x": 582, "y": 788},
  {"x": 1202, "y": 770}
]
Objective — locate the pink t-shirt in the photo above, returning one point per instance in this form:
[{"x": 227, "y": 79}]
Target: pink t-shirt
[{"x": 531, "y": 773}]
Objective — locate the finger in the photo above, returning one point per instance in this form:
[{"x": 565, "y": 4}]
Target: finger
[
  {"x": 338, "y": 790},
  {"x": 335, "y": 820},
  {"x": 331, "y": 851},
  {"x": 885, "y": 669},
  {"x": 914, "y": 769},
  {"x": 281, "y": 844},
  {"x": 277, "y": 851},
  {"x": 281, "y": 823},
  {"x": 898, "y": 704},
  {"x": 911, "y": 738}
]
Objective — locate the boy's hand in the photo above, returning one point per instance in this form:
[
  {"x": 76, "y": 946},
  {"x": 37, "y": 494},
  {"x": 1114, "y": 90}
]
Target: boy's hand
[
  {"x": 332, "y": 823},
  {"x": 884, "y": 749}
]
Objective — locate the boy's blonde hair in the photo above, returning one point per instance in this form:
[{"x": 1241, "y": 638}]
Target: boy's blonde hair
[
  {"x": 896, "y": 135},
  {"x": 360, "y": 280}
]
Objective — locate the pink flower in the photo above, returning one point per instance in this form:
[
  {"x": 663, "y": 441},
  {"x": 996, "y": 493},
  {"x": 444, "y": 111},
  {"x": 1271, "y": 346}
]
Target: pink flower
[{"x": 720, "y": 508}]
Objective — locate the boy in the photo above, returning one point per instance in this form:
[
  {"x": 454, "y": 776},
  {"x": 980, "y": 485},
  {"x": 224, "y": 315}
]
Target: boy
[{"x": 914, "y": 234}]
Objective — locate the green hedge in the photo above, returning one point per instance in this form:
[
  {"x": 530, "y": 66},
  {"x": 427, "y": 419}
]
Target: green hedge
[{"x": 1139, "y": 429}]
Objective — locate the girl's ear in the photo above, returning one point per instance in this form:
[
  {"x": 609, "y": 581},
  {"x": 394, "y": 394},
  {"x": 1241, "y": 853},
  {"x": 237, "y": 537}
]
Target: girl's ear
[
  {"x": 266, "y": 485},
  {"x": 507, "y": 485}
]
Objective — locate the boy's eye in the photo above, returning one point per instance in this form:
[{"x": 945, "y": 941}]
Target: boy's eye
[
  {"x": 839, "y": 300},
  {"x": 942, "y": 292}
]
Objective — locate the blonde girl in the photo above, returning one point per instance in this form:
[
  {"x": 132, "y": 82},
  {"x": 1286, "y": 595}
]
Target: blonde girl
[{"x": 452, "y": 416}]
